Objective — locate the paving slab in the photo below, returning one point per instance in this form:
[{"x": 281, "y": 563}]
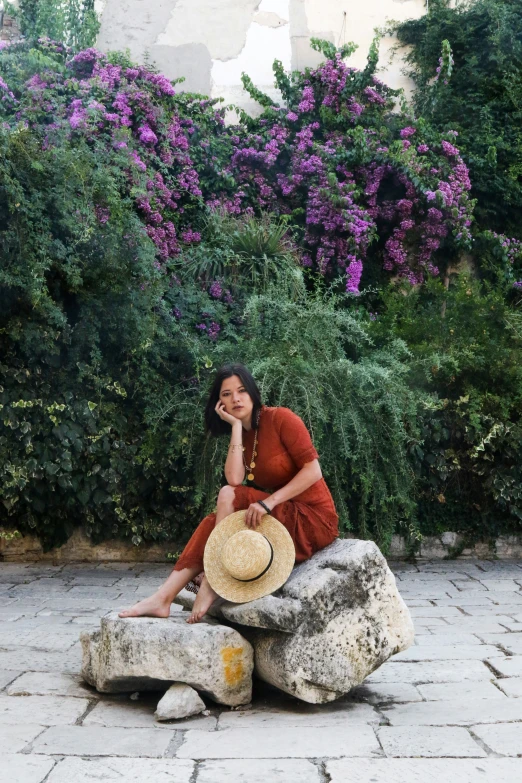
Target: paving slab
[
  {"x": 444, "y": 639},
  {"x": 45, "y": 710},
  {"x": 338, "y": 714},
  {"x": 264, "y": 771},
  {"x": 116, "y": 770},
  {"x": 7, "y": 676},
  {"x": 103, "y": 741},
  {"x": 419, "y": 741},
  {"x": 449, "y": 691},
  {"x": 140, "y": 714},
  {"x": 463, "y": 712},
  {"x": 303, "y": 742},
  {"x": 50, "y": 684},
  {"x": 430, "y": 671},
  {"x": 458, "y": 652},
  {"x": 381, "y": 693},
  {"x": 18, "y": 768},
  {"x": 511, "y": 686},
  {"x": 509, "y": 667},
  {"x": 513, "y": 643},
  {"x": 15, "y": 737},
  {"x": 423, "y": 770},
  {"x": 42, "y": 660},
  {"x": 504, "y": 738}
]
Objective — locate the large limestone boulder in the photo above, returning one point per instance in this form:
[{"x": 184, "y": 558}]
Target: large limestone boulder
[
  {"x": 337, "y": 619},
  {"x": 143, "y": 653}
]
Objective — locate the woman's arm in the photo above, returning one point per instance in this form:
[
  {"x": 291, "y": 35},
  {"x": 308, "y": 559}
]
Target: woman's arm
[
  {"x": 234, "y": 466},
  {"x": 308, "y": 475}
]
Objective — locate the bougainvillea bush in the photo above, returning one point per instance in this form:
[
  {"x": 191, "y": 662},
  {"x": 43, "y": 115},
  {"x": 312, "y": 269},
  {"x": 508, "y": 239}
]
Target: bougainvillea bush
[
  {"x": 114, "y": 192},
  {"x": 362, "y": 185}
]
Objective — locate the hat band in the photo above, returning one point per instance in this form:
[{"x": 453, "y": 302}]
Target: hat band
[{"x": 266, "y": 569}]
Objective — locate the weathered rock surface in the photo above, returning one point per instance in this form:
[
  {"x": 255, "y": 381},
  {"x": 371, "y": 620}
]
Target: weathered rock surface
[
  {"x": 142, "y": 653},
  {"x": 337, "y": 619},
  {"x": 180, "y": 701}
]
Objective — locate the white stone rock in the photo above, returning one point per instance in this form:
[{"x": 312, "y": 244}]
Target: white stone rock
[
  {"x": 114, "y": 770},
  {"x": 303, "y": 742},
  {"x": 504, "y": 738},
  {"x": 428, "y": 741},
  {"x": 142, "y": 653},
  {"x": 180, "y": 701},
  {"x": 264, "y": 771},
  {"x": 423, "y": 770},
  {"x": 338, "y": 618}
]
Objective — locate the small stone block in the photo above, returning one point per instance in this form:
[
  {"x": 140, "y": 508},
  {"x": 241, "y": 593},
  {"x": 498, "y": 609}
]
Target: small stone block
[
  {"x": 504, "y": 738},
  {"x": 103, "y": 741},
  {"x": 116, "y": 770},
  {"x": 17, "y": 768},
  {"x": 424, "y": 770},
  {"x": 264, "y": 771}
]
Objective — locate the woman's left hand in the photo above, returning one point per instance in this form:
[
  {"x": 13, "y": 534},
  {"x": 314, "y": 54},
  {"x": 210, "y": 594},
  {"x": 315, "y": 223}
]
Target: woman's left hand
[{"x": 254, "y": 515}]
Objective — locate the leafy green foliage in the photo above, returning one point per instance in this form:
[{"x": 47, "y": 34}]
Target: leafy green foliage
[
  {"x": 72, "y": 22},
  {"x": 466, "y": 347},
  {"x": 475, "y": 88}
]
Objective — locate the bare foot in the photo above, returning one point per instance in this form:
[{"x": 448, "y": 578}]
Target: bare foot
[
  {"x": 204, "y": 600},
  {"x": 153, "y": 606}
]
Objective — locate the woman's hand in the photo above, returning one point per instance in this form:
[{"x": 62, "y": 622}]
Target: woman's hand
[
  {"x": 222, "y": 413},
  {"x": 254, "y": 514}
]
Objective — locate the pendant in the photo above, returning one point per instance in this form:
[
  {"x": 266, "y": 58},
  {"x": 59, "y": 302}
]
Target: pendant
[
  {"x": 254, "y": 454},
  {"x": 250, "y": 477},
  {"x": 252, "y": 464}
]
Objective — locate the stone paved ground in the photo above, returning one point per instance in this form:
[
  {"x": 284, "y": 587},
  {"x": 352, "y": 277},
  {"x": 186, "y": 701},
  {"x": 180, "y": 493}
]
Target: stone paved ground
[{"x": 450, "y": 708}]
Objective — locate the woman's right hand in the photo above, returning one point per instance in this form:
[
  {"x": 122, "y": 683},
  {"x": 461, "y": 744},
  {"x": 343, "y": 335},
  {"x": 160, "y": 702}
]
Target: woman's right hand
[{"x": 222, "y": 413}]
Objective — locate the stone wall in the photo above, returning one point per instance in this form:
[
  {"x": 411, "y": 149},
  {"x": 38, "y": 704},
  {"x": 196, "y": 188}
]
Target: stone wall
[
  {"x": 80, "y": 549},
  {"x": 211, "y": 42}
]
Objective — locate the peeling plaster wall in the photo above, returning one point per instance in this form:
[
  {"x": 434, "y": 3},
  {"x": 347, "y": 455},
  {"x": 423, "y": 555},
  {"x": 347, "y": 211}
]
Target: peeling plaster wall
[{"x": 211, "y": 42}]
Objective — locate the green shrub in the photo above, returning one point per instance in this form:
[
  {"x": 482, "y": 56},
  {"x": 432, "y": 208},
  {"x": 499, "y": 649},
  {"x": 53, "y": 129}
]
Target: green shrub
[{"x": 466, "y": 345}]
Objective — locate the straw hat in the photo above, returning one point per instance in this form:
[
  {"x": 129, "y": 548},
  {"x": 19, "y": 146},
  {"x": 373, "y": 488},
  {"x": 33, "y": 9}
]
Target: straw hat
[{"x": 242, "y": 564}]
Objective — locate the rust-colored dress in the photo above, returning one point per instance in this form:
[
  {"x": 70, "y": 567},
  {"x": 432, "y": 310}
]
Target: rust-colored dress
[{"x": 284, "y": 446}]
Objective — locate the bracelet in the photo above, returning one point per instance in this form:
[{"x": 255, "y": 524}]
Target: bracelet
[
  {"x": 261, "y": 503},
  {"x": 236, "y": 446}
]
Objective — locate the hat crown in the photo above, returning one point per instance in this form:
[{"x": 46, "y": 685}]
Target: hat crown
[{"x": 246, "y": 555}]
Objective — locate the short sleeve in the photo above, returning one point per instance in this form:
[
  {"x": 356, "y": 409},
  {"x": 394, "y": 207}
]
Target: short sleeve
[{"x": 295, "y": 437}]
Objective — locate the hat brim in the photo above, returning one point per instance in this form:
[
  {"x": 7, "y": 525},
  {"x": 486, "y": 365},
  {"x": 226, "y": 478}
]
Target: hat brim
[{"x": 240, "y": 592}]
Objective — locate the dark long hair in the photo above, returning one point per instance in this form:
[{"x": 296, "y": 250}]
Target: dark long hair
[{"x": 213, "y": 423}]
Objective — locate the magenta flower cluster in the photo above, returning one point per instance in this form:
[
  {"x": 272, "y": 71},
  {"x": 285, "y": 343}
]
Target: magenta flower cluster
[{"x": 336, "y": 160}]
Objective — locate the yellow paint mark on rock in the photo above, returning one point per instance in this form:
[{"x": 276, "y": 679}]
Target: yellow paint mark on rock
[{"x": 232, "y": 658}]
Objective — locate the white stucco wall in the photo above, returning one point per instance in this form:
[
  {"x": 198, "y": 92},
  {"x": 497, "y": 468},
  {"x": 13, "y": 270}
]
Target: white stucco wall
[{"x": 211, "y": 42}]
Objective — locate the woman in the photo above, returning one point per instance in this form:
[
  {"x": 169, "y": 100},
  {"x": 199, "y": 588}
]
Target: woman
[{"x": 273, "y": 448}]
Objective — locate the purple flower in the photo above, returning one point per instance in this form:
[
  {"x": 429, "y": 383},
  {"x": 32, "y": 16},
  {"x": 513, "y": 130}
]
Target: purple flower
[
  {"x": 518, "y": 284},
  {"x": 354, "y": 272},
  {"x": 291, "y": 115},
  {"x": 405, "y": 132},
  {"x": 449, "y": 149},
  {"x": 147, "y": 135},
  {"x": 216, "y": 290},
  {"x": 422, "y": 148}
]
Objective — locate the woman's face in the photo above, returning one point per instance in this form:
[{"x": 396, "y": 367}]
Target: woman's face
[{"x": 236, "y": 399}]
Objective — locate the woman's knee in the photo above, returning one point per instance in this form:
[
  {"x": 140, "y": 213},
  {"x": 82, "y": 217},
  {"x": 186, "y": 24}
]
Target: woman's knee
[{"x": 226, "y": 496}]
